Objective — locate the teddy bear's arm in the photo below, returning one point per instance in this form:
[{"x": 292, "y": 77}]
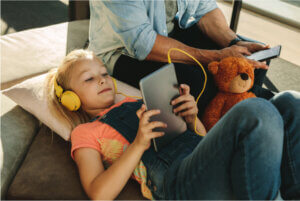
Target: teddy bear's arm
[{"x": 212, "y": 113}]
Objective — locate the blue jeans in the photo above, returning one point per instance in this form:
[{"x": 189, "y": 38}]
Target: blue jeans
[{"x": 251, "y": 153}]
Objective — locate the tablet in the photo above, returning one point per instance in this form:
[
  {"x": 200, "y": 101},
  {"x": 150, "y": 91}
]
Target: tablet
[{"x": 158, "y": 89}]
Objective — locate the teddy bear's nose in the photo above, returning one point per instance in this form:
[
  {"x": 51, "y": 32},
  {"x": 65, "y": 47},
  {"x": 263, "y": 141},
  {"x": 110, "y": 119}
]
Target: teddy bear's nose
[{"x": 244, "y": 76}]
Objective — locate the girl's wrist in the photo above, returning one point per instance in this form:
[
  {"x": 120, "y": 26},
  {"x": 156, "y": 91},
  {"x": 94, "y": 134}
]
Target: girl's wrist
[{"x": 138, "y": 147}]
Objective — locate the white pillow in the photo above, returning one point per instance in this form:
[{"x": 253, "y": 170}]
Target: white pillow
[{"x": 30, "y": 96}]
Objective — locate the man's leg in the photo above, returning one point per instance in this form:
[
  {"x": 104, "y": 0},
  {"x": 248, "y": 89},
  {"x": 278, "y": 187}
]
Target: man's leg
[
  {"x": 288, "y": 104},
  {"x": 239, "y": 158}
]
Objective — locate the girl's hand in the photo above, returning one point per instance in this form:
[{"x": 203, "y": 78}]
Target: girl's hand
[
  {"x": 187, "y": 105},
  {"x": 145, "y": 133}
]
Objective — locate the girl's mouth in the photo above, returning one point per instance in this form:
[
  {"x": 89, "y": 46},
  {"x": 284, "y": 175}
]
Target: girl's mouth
[{"x": 105, "y": 90}]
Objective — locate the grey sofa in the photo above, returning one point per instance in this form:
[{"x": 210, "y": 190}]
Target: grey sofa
[{"x": 35, "y": 162}]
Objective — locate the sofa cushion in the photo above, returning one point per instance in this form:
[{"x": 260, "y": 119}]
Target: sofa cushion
[
  {"x": 18, "y": 129},
  {"x": 37, "y": 50},
  {"x": 48, "y": 172}
]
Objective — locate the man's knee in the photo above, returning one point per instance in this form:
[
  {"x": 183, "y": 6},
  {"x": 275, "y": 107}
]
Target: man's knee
[
  {"x": 287, "y": 99},
  {"x": 257, "y": 108},
  {"x": 264, "y": 120}
]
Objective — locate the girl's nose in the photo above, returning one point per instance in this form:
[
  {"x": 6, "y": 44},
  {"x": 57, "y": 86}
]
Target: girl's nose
[{"x": 102, "y": 81}]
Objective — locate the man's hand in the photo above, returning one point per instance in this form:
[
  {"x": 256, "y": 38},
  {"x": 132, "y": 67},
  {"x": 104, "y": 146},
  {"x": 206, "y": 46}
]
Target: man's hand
[
  {"x": 252, "y": 47},
  {"x": 241, "y": 51}
]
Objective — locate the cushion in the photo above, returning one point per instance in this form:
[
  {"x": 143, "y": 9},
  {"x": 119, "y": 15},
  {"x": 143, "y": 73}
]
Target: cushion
[
  {"x": 18, "y": 129},
  {"x": 30, "y": 95},
  {"x": 54, "y": 175},
  {"x": 34, "y": 51}
]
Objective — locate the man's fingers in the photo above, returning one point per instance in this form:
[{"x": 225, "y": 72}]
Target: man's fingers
[
  {"x": 244, "y": 51},
  {"x": 257, "y": 47},
  {"x": 258, "y": 65}
]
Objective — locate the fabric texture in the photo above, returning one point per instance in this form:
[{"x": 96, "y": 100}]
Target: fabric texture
[
  {"x": 130, "y": 27},
  {"x": 49, "y": 173},
  {"x": 109, "y": 143},
  {"x": 18, "y": 129},
  {"x": 37, "y": 50},
  {"x": 171, "y": 11}
]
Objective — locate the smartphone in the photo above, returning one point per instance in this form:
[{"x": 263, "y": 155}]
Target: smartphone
[{"x": 264, "y": 55}]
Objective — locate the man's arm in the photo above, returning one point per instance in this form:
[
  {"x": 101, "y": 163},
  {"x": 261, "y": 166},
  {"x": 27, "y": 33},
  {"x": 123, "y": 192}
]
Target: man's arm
[
  {"x": 163, "y": 44},
  {"x": 214, "y": 25}
]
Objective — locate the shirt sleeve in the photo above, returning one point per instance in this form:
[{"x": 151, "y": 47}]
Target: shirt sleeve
[
  {"x": 194, "y": 11},
  {"x": 130, "y": 21},
  {"x": 82, "y": 137},
  {"x": 204, "y": 7}
]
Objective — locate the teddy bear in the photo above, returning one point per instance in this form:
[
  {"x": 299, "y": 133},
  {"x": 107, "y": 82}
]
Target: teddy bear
[{"x": 233, "y": 76}]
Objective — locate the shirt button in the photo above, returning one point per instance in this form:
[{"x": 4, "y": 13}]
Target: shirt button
[
  {"x": 154, "y": 188},
  {"x": 149, "y": 183}
]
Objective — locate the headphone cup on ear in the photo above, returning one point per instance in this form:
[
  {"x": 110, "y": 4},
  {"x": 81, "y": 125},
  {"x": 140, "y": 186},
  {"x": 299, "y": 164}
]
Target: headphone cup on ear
[{"x": 70, "y": 100}]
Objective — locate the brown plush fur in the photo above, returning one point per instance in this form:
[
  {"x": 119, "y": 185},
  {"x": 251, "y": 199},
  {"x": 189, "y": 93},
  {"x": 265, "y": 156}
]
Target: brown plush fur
[{"x": 233, "y": 84}]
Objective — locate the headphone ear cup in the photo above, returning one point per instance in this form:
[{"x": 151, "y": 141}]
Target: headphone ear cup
[{"x": 70, "y": 100}]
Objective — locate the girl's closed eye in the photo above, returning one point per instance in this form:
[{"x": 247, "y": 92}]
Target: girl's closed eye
[
  {"x": 105, "y": 74},
  {"x": 89, "y": 79}
]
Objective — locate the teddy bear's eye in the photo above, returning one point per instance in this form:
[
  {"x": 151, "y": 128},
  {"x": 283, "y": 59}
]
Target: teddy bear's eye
[{"x": 244, "y": 76}]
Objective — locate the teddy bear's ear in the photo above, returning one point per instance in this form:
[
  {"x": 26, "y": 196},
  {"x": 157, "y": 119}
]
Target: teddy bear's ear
[{"x": 213, "y": 67}]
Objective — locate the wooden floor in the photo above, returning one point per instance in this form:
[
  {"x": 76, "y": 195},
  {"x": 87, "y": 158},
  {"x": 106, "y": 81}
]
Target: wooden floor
[{"x": 268, "y": 31}]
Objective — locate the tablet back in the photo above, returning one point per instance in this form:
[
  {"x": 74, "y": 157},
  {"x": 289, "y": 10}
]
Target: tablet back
[{"x": 158, "y": 89}]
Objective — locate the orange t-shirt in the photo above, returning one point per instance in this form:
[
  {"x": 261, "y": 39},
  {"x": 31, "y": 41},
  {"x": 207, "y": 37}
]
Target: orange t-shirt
[{"x": 109, "y": 143}]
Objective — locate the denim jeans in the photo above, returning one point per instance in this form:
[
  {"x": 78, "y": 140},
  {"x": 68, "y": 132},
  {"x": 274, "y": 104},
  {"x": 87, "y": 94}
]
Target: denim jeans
[{"x": 251, "y": 153}]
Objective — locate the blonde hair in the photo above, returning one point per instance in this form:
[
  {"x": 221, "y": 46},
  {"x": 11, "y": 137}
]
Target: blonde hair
[{"x": 62, "y": 76}]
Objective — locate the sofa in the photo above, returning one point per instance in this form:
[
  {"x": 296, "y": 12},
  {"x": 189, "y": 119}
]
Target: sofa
[{"x": 35, "y": 161}]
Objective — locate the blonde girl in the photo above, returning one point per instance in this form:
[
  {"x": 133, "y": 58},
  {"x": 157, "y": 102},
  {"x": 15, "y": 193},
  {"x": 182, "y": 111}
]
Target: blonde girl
[{"x": 111, "y": 141}]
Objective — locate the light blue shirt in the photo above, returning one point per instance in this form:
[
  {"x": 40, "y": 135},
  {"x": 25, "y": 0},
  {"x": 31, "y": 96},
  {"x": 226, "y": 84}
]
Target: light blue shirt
[{"x": 130, "y": 27}]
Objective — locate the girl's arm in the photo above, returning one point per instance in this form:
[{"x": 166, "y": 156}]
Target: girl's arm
[{"x": 100, "y": 184}]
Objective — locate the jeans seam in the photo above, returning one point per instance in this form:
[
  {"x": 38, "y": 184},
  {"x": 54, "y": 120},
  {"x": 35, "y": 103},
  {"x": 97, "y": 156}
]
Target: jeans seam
[{"x": 289, "y": 154}]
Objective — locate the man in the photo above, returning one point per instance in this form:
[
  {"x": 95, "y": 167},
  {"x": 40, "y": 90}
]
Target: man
[{"x": 133, "y": 38}]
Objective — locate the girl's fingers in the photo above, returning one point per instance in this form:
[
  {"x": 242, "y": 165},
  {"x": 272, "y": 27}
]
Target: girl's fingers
[
  {"x": 184, "y": 89},
  {"x": 184, "y": 106},
  {"x": 182, "y": 98},
  {"x": 146, "y": 115},
  {"x": 140, "y": 111},
  {"x": 156, "y": 134},
  {"x": 156, "y": 124},
  {"x": 188, "y": 112}
]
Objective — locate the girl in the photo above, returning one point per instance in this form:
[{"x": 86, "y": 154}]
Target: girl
[{"x": 251, "y": 153}]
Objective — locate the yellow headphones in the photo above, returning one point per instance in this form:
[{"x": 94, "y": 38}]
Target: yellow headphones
[{"x": 69, "y": 99}]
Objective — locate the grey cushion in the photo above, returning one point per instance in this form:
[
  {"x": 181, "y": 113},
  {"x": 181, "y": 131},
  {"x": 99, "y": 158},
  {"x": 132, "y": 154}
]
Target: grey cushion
[
  {"x": 18, "y": 129},
  {"x": 48, "y": 172}
]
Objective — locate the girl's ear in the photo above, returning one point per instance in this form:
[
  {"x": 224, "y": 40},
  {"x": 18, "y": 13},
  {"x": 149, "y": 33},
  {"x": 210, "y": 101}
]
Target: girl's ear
[{"x": 213, "y": 67}]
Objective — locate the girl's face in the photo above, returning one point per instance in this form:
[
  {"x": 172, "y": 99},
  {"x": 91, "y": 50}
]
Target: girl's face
[{"x": 91, "y": 82}]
